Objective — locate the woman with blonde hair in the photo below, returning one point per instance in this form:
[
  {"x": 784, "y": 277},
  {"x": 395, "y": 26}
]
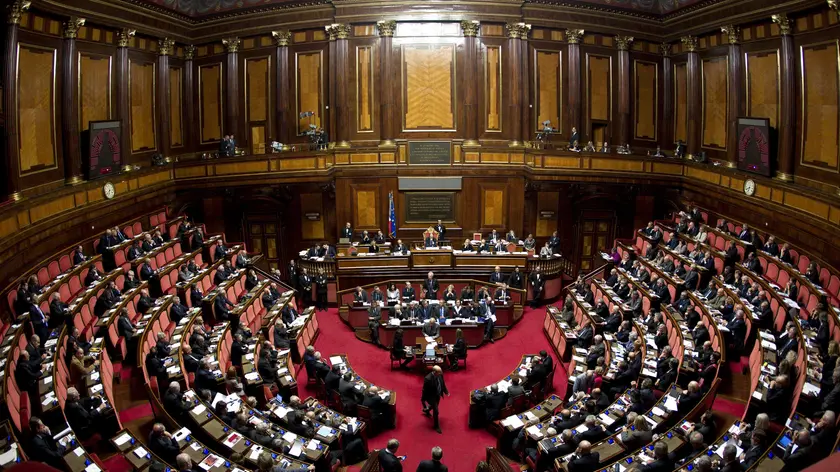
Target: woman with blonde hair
[{"x": 232, "y": 383}]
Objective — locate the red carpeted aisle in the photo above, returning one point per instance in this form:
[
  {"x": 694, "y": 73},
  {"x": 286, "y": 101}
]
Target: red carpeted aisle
[{"x": 463, "y": 447}]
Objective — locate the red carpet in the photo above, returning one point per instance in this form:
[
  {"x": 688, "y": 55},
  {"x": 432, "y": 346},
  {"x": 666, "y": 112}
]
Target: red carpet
[
  {"x": 726, "y": 405},
  {"x": 136, "y": 412},
  {"x": 463, "y": 447}
]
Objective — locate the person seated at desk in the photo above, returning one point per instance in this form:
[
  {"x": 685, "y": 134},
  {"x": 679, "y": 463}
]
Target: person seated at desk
[
  {"x": 399, "y": 248},
  {"x": 135, "y": 251},
  {"x": 493, "y": 237},
  {"x": 397, "y": 313},
  {"x": 467, "y": 293},
  {"x": 360, "y": 296},
  {"x": 584, "y": 459},
  {"x": 437, "y": 311},
  {"x": 431, "y": 328},
  {"x": 500, "y": 246},
  {"x": 494, "y": 402},
  {"x": 408, "y": 293},
  {"x": 79, "y": 255},
  {"x": 511, "y": 237},
  {"x": 431, "y": 286},
  {"x": 449, "y": 295},
  {"x": 326, "y": 251},
  {"x": 467, "y": 247},
  {"x": 590, "y": 147},
  {"x": 379, "y": 238},
  {"x": 459, "y": 351},
  {"x": 484, "y": 246},
  {"x": 365, "y": 239},
  {"x": 204, "y": 377},
  {"x": 221, "y": 307},
  {"x": 430, "y": 241},
  {"x": 392, "y": 294},
  {"x": 502, "y": 295},
  {"x": 546, "y": 250},
  {"x": 43, "y": 446},
  {"x": 459, "y": 311},
  {"x": 379, "y": 411},
  {"x": 530, "y": 243}
]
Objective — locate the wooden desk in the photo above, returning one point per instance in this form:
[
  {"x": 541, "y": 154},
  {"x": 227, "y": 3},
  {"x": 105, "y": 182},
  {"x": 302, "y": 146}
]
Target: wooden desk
[
  {"x": 392, "y": 398},
  {"x": 473, "y": 333},
  {"x": 503, "y": 260},
  {"x": 431, "y": 258},
  {"x": 379, "y": 260}
]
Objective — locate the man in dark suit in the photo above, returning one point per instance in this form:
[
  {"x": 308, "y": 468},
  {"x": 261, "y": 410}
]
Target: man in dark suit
[
  {"x": 177, "y": 310},
  {"x": 585, "y": 460},
  {"x": 788, "y": 343},
  {"x": 408, "y": 293},
  {"x": 700, "y": 333},
  {"x": 222, "y": 307},
  {"x": 238, "y": 349},
  {"x": 204, "y": 378},
  {"x": 738, "y": 330},
  {"x": 360, "y": 296},
  {"x": 434, "y": 388},
  {"x": 191, "y": 361},
  {"x": 305, "y": 283},
  {"x": 433, "y": 465},
  {"x": 441, "y": 229},
  {"x": 38, "y": 319},
  {"x": 689, "y": 398},
  {"x": 82, "y": 415},
  {"x": 163, "y": 444},
  {"x": 333, "y": 378},
  {"x": 219, "y": 252},
  {"x": 288, "y": 314},
  {"x": 266, "y": 368},
  {"x": 431, "y": 286},
  {"x": 399, "y": 248},
  {"x": 537, "y": 283},
  {"x": 662, "y": 462},
  {"x": 135, "y": 251},
  {"x": 494, "y": 402},
  {"x": 388, "y": 460},
  {"x": 43, "y": 446},
  {"x": 174, "y": 402},
  {"x": 347, "y": 231},
  {"x": 432, "y": 328},
  {"x": 497, "y": 277}
]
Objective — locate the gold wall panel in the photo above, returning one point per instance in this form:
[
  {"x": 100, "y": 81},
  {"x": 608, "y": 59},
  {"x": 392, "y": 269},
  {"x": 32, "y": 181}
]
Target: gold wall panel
[
  {"x": 820, "y": 105},
  {"x": 548, "y": 88},
  {"x": 242, "y": 167},
  {"x": 36, "y": 108},
  {"x": 429, "y": 87},
  {"x": 599, "y": 87},
  {"x": 561, "y": 162},
  {"x": 617, "y": 164},
  {"x": 806, "y": 204},
  {"x": 94, "y": 88},
  {"x": 714, "y": 72},
  {"x": 210, "y": 104},
  {"x": 670, "y": 169},
  {"x": 646, "y": 99},
  {"x": 681, "y": 102},
  {"x": 365, "y": 208},
  {"x": 310, "y": 88},
  {"x": 51, "y": 208},
  {"x": 364, "y": 88},
  {"x": 763, "y": 85},
  {"x": 546, "y": 201},
  {"x": 366, "y": 158},
  {"x": 493, "y": 207},
  {"x": 493, "y": 88},
  {"x": 257, "y": 88},
  {"x": 151, "y": 179},
  {"x": 176, "y": 105},
  {"x": 301, "y": 163},
  {"x": 187, "y": 172},
  {"x": 141, "y": 78},
  {"x": 311, "y": 203}
]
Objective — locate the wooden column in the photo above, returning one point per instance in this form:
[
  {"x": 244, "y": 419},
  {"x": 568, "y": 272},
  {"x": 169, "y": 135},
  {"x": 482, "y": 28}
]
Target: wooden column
[
  {"x": 232, "y": 89},
  {"x": 123, "y": 99},
  {"x": 189, "y": 99},
  {"x": 623, "y": 133},
  {"x": 694, "y": 95},
  {"x": 735, "y": 107},
  {"x": 71, "y": 148},
  {"x": 525, "y": 88},
  {"x": 165, "y": 48},
  {"x": 666, "y": 124},
  {"x": 516, "y": 74},
  {"x": 341, "y": 107},
  {"x": 284, "y": 121},
  {"x": 387, "y": 71},
  {"x": 470, "y": 30},
  {"x": 574, "y": 37},
  {"x": 787, "y": 105},
  {"x": 11, "y": 158}
]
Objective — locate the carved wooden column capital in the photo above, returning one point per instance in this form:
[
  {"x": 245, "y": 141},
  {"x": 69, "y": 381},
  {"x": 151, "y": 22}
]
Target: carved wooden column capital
[
  {"x": 574, "y": 36},
  {"x": 665, "y": 50},
  {"x": 232, "y": 44},
  {"x": 690, "y": 43},
  {"x": 470, "y": 28},
  {"x": 623, "y": 42},
  {"x": 517, "y": 30},
  {"x": 337, "y": 31},
  {"x": 785, "y": 25},
  {"x": 166, "y": 46},
  {"x": 16, "y": 9},
  {"x": 189, "y": 52},
  {"x": 71, "y": 27},
  {"x": 281, "y": 38},
  {"x": 124, "y": 36},
  {"x": 732, "y": 32},
  {"x": 386, "y": 27}
]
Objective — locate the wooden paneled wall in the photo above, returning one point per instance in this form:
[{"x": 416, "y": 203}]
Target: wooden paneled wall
[
  {"x": 548, "y": 78},
  {"x": 95, "y": 82},
  {"x": 646, "y": 100},
  {"x": 37, "y": 69},
  {"x": 429, "y": 96},
  {"x": 142, "y": 98},
  {"x": 820, "y": 105},
  {"x": 715, "y": 87},
  {"x": 176, "y": 107},
  {"x": 210, "y": 102},
  {"x": 309, "y": 86},
  {"x": 681, "y": 102}
]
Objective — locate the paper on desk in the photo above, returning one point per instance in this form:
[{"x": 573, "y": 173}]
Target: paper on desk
[
  {"x": 606, "y": 419},
  {"x": 199, "y": 409},
  {"x": 512, "y": 422},
  {"x": 719, "y": 450},
  {"x": 336, "y": 360},
  {"x": 79, "y": 451},
  {"x": 808, "y": 387},
  {"x": 671, "y": 403},
  {"x": 122, "y": 439},
  {"x": 312, "y": 445},
  {"x": 252, "y": 375},
  {"x": 295, "y": 450},
  {"x": 93, "y": 468},
  {"x": 324, "y": 431},
  {"x": 289, "y": 436},
  {"x": 657, "y": 411},
  {"x": 140, "y": 452},
  {"x": 535, "y": 431},
  {"x": 255, "y": 452}
]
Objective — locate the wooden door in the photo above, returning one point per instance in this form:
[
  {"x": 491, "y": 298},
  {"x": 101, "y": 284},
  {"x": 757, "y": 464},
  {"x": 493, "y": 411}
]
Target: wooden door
[
  {"x": 264, "y": 237},
  {"x": 597, "y": 231}
]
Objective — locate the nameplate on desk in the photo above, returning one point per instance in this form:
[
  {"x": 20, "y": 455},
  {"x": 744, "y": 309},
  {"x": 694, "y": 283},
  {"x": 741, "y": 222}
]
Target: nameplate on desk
[
  {"x": 424, "y": 207},
  {"x": 429, "y": 153}
]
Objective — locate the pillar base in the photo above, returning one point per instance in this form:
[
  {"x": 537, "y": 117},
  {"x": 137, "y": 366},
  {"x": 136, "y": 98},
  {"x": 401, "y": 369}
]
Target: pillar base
[
  {"x": 783, "y": 177},
  {"x": 15, "y": 197},
  {"x": 731, "y": 164},
  {"x": 128, "y": 168},
  {"x": 342, "y": 144},
  {"x": 470, "y": 143},
  {"x": 387, "y": 143},
  {"x": 516, "y": 143},
  {"x": 75, "y": 180}
]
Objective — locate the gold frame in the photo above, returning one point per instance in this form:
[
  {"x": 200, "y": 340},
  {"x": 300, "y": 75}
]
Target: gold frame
[
  {"x": 674, "y": 85},
  {"x": 373, "y": 114},
  {"x": 453, "y": 86},
  {"x": 267, "y": 122},
  {"x": 656, "y": 66},
  {"x": 79, "y": 82},
  {"x": 747, "y": 54},
  {"x": 154, "y": 106},
  {"x": 487, "y": 89},
  {"x": 703, "y": 145},
  {"x": 201, "y": 104},
  {"x": 53, "y": 93},
  {"x": 559, "y": 90},
  {"x": 803, "y": 126},
  {"x": 321, "y": 85},
  {"x": 182, "y": 70},
  {"x": 589, "y": 94}
]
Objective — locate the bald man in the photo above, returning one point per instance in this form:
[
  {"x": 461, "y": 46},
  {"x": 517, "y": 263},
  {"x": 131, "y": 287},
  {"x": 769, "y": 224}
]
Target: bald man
[
  {"x": 586, "y": 460},
  {"x": 434, "y": 388}
]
